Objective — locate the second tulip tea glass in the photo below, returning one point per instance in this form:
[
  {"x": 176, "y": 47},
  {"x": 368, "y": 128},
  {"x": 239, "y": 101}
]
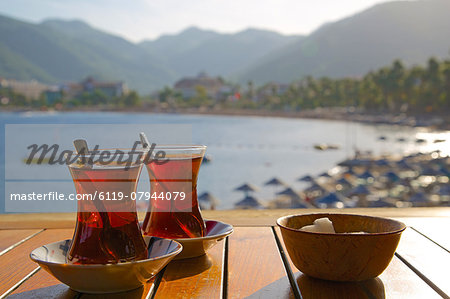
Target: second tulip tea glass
[{"x": 174, "y": 211}]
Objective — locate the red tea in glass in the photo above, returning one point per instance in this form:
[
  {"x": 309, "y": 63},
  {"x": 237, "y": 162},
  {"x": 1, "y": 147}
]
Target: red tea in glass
[
  {"x": 174, "y": 211},
  {"x": 107, "y": 228}
]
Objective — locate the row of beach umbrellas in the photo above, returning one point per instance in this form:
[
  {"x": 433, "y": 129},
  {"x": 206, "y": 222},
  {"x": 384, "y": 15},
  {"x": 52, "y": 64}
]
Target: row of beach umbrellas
[
  {"x": 330, "y": 199},
  {"x": 250, "y": 201},
  {"x": 359, "y": 185}
]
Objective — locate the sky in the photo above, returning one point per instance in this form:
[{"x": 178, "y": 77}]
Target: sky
[{"x": 137, "y": 20}]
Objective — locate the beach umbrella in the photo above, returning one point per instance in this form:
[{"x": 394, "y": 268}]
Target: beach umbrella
[
  {"x": 404, "y": 182},
  {"x": 430, "y": 171},
  {"x": 301, "y": 205},
  {"x": 445, "y": 171},
  {"x": 391, "y": 176},
  {"x": 329, "y": 200},
  {"x": 419, "y": 199},
  {"x": 296, "y": 200},
  {"x": 365, "y": 175},
  {"x": 343, "y": 182},
  {"x": 440, "y": 161},
  {"x": 314, "y": 187},
  {"x": 289, "y": 192},
  {"x": 442, "y": 165},
  {"x": 420, "y": 140},
  {"x": 361, "y": 193},
  {"x": 380, "y": 203},
  {"x": 355, "y": 162},
  {"x": 246, "y": 188},
  {"x": 351, "y": 203},
  {"x": 382, "y": 162},
  {"x": 325, "y": 174},
  {"x": 249, "y": 202},
  {"x": 359, "y": 190},
  {"x": 306, "y": 178},
  {"x": 442, "y": 190},
  {"x": 346, "y": 163},
  {"x": 208, "y": 199},
  {"x": 275, "y": 182},
  {"x": 402, "y": 164},
  {"x": 348, "y": 172}
]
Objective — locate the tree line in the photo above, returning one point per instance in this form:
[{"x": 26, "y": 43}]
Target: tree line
[
  {"x": 96, "y": 98},
  {"x": 393, "y": 88}
]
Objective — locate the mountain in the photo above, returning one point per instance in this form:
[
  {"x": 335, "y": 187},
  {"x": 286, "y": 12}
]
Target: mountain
[
  {"x": 168, "y": 46},
  {"x": 55, "y": 51},
  {"x": 113, "y": 57},
  {"x": 194, "y": 50},
  {"x": 408, "y": 30},
  {"x": 58, "y": 51}
]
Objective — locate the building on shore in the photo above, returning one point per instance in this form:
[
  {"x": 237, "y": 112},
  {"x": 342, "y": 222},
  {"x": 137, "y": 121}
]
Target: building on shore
[
  {"x": 213, "y": 87},
  {"x": 90, "y": 85},
  {"x": 29, "y": 89},
  {"x": 33, "y": 89}
]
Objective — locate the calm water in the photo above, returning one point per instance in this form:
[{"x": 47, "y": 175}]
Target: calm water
[{"x": 253, "y": 149}]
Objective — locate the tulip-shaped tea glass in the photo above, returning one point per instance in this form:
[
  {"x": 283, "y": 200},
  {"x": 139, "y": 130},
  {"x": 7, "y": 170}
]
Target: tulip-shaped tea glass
[
  {"x": 174, "y": 211},
  {"x": 107, "y": 228}
]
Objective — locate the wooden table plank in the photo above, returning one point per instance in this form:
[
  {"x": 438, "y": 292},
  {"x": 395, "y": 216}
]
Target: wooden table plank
[
  {"x": 199, "y": 277},
  {"x": 139, "y": 293},
  {"x": 429, "y": 259},
  {"x": 38, "y": 220},
  {"x": 16, "y": 263},
  {"x": 42, "y": 283},
  {"x": 255, "y": 267},
  {"x": 401, "y": 282},
  {"x": 234, "y": 217},
  {"x": 397, "y": 281},
  {"x": 57, "y": 291},
  {"x": 10, "y": 237},
  {"x": 434, "y": 228}
]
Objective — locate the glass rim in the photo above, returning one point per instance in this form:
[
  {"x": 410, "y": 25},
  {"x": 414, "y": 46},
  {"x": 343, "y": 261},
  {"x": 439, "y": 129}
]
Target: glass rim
[
  {"x": 99, "y": 151},
  {"x": 181, "y": 146},
  {"x": 128, "y": 158},
  {"x": 177, "y": 149},
  {"x": 140, "y": 150}
]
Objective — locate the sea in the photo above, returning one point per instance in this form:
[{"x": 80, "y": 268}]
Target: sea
[{"x": 242, "y": 149}]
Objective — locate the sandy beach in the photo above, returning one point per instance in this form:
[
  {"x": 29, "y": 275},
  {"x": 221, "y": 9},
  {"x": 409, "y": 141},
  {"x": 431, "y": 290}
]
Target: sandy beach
[{"x": 439, "y": 122}]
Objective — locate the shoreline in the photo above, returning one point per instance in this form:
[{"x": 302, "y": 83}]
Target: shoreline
[{"x": 432, "y": 122}]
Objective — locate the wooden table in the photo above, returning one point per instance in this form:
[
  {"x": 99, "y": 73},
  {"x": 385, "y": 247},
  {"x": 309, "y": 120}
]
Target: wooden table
[{"x": 251, "y": 262}]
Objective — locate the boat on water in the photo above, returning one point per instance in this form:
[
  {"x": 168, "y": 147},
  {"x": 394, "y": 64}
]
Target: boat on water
[
  {"x": 324, "y": 147},
  {"x": 207, "y": 159}
]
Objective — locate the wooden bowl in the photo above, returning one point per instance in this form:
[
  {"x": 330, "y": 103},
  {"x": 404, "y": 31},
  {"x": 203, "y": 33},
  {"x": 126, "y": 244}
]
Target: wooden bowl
[{"x": 341, "y": 256}]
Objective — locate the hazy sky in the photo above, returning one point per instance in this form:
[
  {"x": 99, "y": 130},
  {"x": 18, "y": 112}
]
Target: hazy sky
[{"x": 148, "y": 19}]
